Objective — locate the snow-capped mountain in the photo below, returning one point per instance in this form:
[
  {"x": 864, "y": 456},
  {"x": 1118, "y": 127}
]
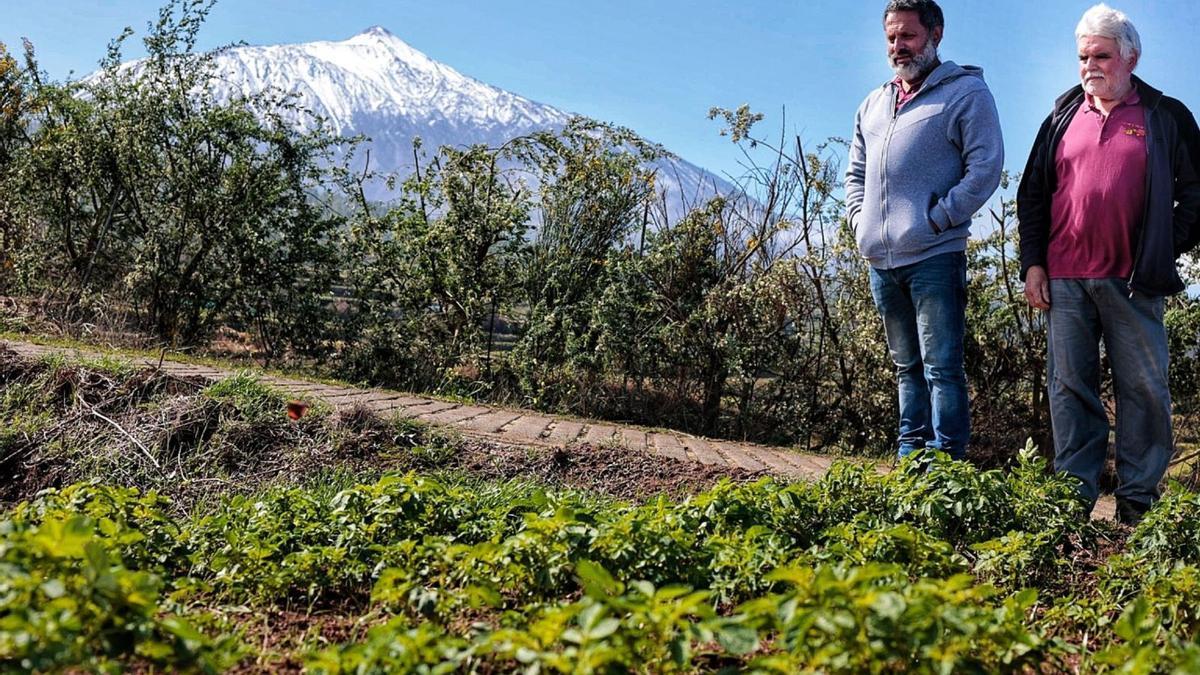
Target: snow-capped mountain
[{"x": 376, "y": 85}]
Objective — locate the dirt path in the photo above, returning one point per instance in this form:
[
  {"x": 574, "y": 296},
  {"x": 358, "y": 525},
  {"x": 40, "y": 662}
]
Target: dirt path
[{"x": 523, "y": 427}]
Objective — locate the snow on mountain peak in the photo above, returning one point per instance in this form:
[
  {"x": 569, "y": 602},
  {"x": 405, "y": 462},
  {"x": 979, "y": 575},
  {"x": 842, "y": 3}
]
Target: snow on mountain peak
[
  {"x": 380, "y": 37},
  {"x": 378, "y": 31},
  {"x": 375, "y": 73}
]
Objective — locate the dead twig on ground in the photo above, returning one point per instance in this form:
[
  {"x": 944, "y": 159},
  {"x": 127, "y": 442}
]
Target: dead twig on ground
[{"x": 119, "y": 428}]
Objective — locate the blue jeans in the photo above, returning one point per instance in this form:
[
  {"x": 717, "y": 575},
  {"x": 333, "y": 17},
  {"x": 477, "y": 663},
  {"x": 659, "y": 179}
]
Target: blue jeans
[
  {"x": 1082, "y": 313},
  {"x": 923, "y": 306}
]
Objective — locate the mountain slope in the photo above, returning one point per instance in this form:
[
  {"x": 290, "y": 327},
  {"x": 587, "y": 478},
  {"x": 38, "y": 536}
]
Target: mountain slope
[{"x": 376, "y": 85}]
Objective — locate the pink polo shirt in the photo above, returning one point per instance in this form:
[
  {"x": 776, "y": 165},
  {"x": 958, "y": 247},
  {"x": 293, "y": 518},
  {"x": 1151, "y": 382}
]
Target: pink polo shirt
[
  {"x": 1098, "y": 206},
  {"x": 902, "y": 96}
]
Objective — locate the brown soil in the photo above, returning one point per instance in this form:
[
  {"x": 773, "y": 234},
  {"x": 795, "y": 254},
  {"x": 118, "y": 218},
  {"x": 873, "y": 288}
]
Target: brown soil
[
  {"x": 615, "y": 471},
  {"x": 280, "y": 636}
]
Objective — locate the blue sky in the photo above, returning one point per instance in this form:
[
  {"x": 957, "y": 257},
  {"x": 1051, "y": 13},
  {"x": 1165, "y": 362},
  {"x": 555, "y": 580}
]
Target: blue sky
[{"x": 658, "y": 65}]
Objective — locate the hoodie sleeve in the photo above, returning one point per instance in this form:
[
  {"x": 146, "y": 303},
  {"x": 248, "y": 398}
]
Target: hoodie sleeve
[
  {"x": 973, "y": 125},
  {"x": 856, "y": 170}
]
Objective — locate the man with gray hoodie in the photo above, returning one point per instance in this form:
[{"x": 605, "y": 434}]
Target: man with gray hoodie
[{"x": 925, "y": 156}]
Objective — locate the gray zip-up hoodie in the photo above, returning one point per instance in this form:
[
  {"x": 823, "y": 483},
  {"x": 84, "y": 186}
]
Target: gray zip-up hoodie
[{"x": 917, "y": 176}]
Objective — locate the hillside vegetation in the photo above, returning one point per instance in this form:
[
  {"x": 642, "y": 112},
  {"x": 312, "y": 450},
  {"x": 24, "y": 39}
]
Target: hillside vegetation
[{"x": 137, "y": 206}]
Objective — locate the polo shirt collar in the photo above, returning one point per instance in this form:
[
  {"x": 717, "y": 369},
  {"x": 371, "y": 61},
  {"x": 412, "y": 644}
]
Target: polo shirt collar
[{"x": 900, "y": 84}]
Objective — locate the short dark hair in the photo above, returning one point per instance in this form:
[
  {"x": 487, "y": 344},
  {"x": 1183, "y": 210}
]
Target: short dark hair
[{"x": 928, "y": 12}]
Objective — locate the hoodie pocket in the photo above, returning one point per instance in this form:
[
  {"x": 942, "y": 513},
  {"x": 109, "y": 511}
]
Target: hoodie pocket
[
  {"x": 868, "y": 235},
  {"x": 933, "y": 204}
]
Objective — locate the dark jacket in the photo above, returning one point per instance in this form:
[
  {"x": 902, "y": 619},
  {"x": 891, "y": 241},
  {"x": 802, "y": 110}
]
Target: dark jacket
[{"x": 1169, "y": 225}]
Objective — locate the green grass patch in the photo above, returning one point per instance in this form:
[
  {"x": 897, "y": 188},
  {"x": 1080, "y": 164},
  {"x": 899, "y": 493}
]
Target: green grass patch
[{"x": 245, "y": 393}]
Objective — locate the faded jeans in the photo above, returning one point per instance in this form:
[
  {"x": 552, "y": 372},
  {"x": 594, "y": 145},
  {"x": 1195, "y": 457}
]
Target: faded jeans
[
  {"x": 923, "y": 307},
  {"x": 1082, "y": 313}
]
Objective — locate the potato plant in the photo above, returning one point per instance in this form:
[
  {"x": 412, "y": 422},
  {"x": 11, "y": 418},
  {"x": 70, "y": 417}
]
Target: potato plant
[{"x": 442, "y": 573}]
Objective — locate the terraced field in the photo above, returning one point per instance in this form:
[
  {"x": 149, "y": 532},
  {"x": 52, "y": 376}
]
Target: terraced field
[{"x": 157, "y": 523}]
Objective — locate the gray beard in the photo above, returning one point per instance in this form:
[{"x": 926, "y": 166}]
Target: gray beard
[{"x": 919, "y": 66}]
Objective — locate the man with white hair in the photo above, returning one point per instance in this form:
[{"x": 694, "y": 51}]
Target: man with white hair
[
  {"x": 1109, "y": 199},
  {"x": 926, "y": 155}
]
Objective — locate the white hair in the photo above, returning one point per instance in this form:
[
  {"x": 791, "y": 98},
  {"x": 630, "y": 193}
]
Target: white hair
[{"x": 1104, "y": 21}]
